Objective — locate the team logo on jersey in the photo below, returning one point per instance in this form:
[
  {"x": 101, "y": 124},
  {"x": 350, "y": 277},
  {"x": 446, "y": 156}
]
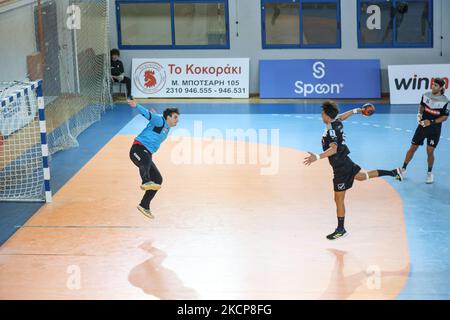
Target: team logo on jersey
[
  {"x": 341, "y": 186},
  {"x": 150, "y": 77}
]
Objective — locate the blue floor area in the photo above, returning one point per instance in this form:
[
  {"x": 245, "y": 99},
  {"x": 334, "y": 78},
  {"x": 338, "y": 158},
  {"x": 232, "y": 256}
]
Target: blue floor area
[
  {"x": 269, "y": 108},
  {"x": 377, "y": 142}
]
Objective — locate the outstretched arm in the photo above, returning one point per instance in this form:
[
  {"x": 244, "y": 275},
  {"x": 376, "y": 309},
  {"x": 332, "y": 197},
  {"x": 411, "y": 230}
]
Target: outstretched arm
[
  {"x": 132, "y": 103},
  {"x": 150, "y": 116},
  {"x": 313, "y": 157},
  {"x": 348, "y": 114}
]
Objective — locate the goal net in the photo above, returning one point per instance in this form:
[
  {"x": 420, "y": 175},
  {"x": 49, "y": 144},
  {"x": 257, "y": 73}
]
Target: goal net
[
  {"x": 65, "y": 44},
  {"x": 24, "y": 172}
]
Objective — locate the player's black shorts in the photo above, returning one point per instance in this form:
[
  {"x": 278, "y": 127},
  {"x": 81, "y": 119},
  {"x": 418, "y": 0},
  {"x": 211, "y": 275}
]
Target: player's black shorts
[
  {"x": 344, "y": 174},
  {"x": 431, "y": 133}
]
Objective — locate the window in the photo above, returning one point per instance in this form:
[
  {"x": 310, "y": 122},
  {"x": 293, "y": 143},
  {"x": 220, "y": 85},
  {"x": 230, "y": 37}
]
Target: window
[
  {"x": 138, "y": 23},
  {"x": 395, "y": 24},
  {"x": 301, "y": 24},
  {"x": 172, "y": 24}
]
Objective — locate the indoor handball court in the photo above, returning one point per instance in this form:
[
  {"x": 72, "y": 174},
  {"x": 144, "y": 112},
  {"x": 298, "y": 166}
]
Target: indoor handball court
[{"x": 238, "y": 216}]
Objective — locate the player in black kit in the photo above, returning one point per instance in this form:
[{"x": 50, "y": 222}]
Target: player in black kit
[
  {"x": 344, "y": 169},
  {"x": 433, "y": 111}
]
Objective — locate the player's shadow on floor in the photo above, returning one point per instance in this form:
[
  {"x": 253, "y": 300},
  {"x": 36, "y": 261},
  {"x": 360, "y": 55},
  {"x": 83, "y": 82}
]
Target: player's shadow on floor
[
  {"x": 341, "y": 287},
  {"x": 156, "y": 280}
]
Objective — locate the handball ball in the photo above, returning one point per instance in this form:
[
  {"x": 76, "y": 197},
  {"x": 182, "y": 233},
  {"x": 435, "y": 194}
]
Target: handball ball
[{"x": 368, "y": 109}]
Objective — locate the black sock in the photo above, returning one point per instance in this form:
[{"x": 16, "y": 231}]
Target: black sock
[
  {"x": 146, "y": 207},
  {"x": 430, "y": 169},
  {"x": 383, "y": 173},
  {"x": 405, "y": 165},
  {"x": 341, "y": 223}
]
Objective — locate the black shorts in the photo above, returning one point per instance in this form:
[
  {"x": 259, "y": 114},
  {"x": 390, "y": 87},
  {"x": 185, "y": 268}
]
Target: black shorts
[
  {"x": 431, "y": 133},
  {"x": 344, "y": 175}
]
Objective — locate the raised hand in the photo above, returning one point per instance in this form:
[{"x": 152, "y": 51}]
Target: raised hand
[
  {"x": 310, "y": 159},
  {"x": 132, "y": 103}
]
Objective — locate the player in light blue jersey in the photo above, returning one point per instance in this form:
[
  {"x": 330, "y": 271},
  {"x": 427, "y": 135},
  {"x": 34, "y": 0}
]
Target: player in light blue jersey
[{"x": 145, "y": 145}]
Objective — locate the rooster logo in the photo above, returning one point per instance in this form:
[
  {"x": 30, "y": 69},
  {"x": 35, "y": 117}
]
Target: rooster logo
[{"x": 150, "y": 79}]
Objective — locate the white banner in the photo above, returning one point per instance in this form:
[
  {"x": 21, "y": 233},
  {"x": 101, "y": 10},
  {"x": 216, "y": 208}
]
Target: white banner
[
  {"x": 407, "y": 83},
  {"x": 190, "y": 78}
]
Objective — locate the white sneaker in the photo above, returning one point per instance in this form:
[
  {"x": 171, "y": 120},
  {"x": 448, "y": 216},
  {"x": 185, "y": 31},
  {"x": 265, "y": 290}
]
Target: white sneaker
[
  {"x": 145, "y": 212},
  {"x": 403, "y": 173},
  {"x": 430, "y": 178},
  {"x": 399, "y": 173}
]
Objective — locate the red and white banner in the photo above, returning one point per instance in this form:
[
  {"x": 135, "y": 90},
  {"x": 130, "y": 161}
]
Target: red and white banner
[
  {"x": 190, "y": 78},
  {"x": 407, "y": 83}
]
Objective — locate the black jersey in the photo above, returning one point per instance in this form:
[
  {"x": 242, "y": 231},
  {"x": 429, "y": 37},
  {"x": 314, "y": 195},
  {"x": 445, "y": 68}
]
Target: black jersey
[
  {"x": 434, "y": 107},
  {"x": 334, "y": 133},
  {"x": 116, "y": 68}
]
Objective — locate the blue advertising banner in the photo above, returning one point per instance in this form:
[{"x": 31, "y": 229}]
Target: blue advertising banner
[{"x": 320, "y": 79}]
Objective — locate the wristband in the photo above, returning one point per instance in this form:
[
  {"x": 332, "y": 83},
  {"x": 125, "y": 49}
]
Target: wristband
[
  {"x": 355, "y": 111},
  {"x": 317, "y": 156}
]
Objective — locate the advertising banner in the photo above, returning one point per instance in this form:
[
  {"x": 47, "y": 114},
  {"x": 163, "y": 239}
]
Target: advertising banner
[
  {"x": 304, "y": 79},
  {"x": 190, "y": 78},
  {"x": 407, "y": 83}
]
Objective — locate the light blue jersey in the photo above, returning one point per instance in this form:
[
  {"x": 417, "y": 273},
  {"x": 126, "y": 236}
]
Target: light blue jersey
[{"x": 156, "y": 131}]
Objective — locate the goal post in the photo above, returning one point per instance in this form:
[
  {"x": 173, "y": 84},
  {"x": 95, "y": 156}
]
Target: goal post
[
  {"x": 68, "y": 49},
  {"x": 24, "y": 152}
]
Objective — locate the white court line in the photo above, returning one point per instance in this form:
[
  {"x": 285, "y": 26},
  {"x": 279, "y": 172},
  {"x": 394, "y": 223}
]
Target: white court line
[{"x": 355, "y": 122}]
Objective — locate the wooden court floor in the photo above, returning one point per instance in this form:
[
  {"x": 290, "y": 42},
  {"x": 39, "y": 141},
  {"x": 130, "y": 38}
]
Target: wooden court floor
[{"x": 220, "y": 232}]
